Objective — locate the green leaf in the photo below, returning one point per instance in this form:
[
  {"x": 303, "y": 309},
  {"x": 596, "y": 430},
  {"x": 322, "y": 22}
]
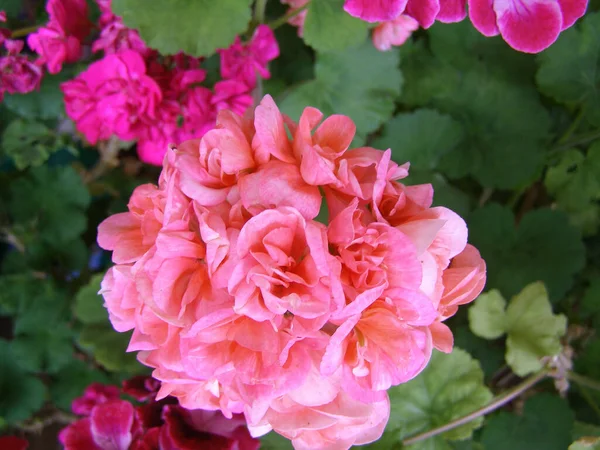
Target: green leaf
[
  {"x": 21, "y": 395},
  {"x": 48, "y": 351},
  {"x": 329, "y": 28},
  {"x": 89, "y": 307},
  {"x": 109, "y": 348},
  {"x": 54, "y": 199},
  {"x": 544, "y": 247},
  {"x": 507, "y": 127},
  {"x": 71, "y": 380},
  {"x": 575, "y": 183},
  {"x": 487, "y": 317},
  {"x": 586, "y": 443},
  {"x": 45, "y": 103},
  {"x": 27, "y": 143},
  {"x": 590, "y": 303},
  {"x": 360, "y": 82},
  {"x": 445, "y": 194},
  {"x": 582, "y": 429},
  {"x": 489, "y": 354},
  {"x": 450, "y": 387},
  {"x": 274, "y": 441},
  {"x": 533, "y": 330},
  {"x": 546, "y": 424},
  {"x": 197, "y": 28},
  {"x": 421, "y": 138},
  {"x": 568, "y": 70}
]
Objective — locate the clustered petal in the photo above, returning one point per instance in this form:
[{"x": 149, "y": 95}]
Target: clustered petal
[
  {"x": 109, "y": 422},
  {"x": 243, "y": 302}
]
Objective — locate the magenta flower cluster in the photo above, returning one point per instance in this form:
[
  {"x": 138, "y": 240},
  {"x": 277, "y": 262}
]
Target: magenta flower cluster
[{"x": 110, "y": 423}]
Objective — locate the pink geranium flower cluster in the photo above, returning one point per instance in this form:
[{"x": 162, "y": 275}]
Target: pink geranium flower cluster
[
  {"x": 110, "y": 423},
  {"x": 243, "y": 302},
  {"x": 19, "y": 74}
]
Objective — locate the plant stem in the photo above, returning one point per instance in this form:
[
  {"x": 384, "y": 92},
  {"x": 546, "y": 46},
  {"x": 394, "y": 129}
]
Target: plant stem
[
  {"x": 576, "y": 141},
  {"x": 500, "y": 401},
  {"x": 259, "y": 10},
  {"x": 109, "y": 151},
  {"x": 284, "y": 19},
  {"x": 22, "y": 32},
  {"x": 584, "y": 381}
]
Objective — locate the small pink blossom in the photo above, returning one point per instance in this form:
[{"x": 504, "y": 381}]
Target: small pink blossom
[
  {"x": 116, "y": 37},
  {"x": 394, "y": 33},
  {"x": 299, "y": 19},
  {"x": 60, "y": 40},
  {"x": 375, "y": 10},
  {"x": 19, "y": 75},
  {"x": 113, "y": 96},
  {"x": 232, "y": 95},
  {"x": 242, "y": 61}
]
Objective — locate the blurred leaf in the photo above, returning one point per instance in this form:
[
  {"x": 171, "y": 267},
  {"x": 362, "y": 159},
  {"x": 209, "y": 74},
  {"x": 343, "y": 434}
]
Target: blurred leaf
[
  {"x": 328, "y": 27},
  {"x": 575, "y": 183},
  {"x": 274, "y": 441},
  {"x": 544, "y": 247},
  {"x": 360, "y": 82},
  {"x": 54, "y": 199},
  {"x": 420, "y": 137},
  {"x": 568, "y": 70},
  {"x": 588, "y": 362},
  {"x": 89, "y": 307},
  {"x": 445, "y": 194},
  {"x": 590, "y": 303},
  {"x": 27, "y": 143},
  {"x": 21, "y": 395},
  {"x": 582, "y": 429},
  {"x": 71, "y": 380},
  {"x": 109, "y": 348},
  {"x": 489, "y": 355},
  {"x": 201, "y": 26},
  {"x": 450, "y": 386},
  {"x": 546, "y": 424},
  {"x": 45, "y": 103},
  {"x": 533, "y": 330}
]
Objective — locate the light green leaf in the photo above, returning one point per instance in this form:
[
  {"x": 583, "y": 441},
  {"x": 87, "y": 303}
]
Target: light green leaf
[
  {"x": 21, "y": 395},
  {"x": 360, "y": 82},
  {"x": 329, "y": 28},
  {"x": 421, "y": 138},
  {"x": 487, "y": 316},
  {"x": 196, "y": 27},
  {"x": 569, "y": 69},
  {"x": 586, "y": 443},
  {"x": 533, "y": 330},
  {"x": 544, "y": 247},
  {"x": 89, "y": 307},
  {"x": 546, "y": 424},
  {"x": 27, "y": 143},
  {"x": 450, "y": 387}
]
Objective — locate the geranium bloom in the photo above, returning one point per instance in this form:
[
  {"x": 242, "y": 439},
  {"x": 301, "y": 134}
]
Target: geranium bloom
[
  {"x": 527, "y": 25},
  {"x": 13, "y": 443},
  {"x": 394, "y": 32},
  {"x": 113, "y": 96},
  {"x": 242, "y": 302},
  {"x": 110, "y": 423},
  {"x": 60, "y": 40},
  {"x": 242, "y": 61}
]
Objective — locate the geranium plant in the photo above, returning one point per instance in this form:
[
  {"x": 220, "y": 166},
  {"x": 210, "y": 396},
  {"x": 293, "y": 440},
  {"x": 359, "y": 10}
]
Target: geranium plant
[{"x": 309, "y": 224}]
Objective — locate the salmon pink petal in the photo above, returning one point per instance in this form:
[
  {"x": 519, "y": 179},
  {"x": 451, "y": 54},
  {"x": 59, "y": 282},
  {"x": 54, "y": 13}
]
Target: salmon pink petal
[
  {"x": 571, "y": 11},
  {"x": 111, "y": 425},
  {"x": 271, "y": 138},
  {"x": 528, "y": 25},
  {"x": 481, "y": 13},
  {"x": 442, "y": 337},
  {"x": 279, "y": 184},
  {"x": 336, "y": 133},
  {"x": 394, "y": 33},
  {"x": 452, "y": 11},
  {"x": 375, "y": 10}
]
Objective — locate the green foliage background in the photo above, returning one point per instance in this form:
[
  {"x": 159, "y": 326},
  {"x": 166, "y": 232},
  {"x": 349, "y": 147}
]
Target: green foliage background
[{"x": 510, "y": 141}]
